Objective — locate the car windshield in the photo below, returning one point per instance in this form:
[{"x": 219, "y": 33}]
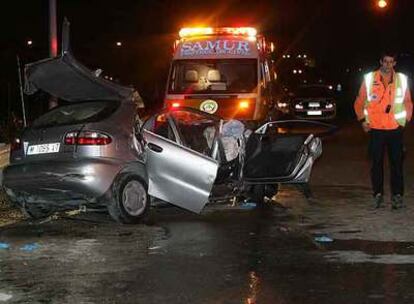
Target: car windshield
[
  {"x": 197, "y": 130},
  {"x": 213, "y": 76},
  {"x": 314, "y": 92},
  {"x": 75, "y": 113}
]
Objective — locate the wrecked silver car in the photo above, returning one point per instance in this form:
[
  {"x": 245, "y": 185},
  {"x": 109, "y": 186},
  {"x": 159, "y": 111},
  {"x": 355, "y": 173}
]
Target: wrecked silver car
[{"x": 95, "y": 151}]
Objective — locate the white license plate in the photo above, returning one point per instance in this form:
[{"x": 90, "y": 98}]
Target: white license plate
[
  {"x": 314, "y": 104},
  {"x": 43, "y": 149},
  {"x": 314, "y": 113}
]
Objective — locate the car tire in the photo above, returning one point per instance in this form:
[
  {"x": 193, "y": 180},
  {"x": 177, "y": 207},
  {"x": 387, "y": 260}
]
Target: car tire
[
  {"x": 130, "y": 200},
  {"x": 258, "y": 193}
]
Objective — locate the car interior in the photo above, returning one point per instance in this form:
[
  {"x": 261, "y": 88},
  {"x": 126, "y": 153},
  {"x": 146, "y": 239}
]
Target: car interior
[{"x": 272, "y": 155}]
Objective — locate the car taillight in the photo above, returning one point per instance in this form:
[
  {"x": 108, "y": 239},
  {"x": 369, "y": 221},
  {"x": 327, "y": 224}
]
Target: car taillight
[
  {"x": 87, "y": 138},
  {"x": 16, "y": 145}
]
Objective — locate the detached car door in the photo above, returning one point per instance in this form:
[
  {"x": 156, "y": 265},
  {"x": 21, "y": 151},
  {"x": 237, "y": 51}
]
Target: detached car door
[{"x": 178, "y": 173}]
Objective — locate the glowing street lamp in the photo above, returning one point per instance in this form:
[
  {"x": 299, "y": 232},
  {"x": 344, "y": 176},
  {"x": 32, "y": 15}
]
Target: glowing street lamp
[
  {"x": 29, "y": 42},
  {"x": 118, "y": 43},
  {"x": 382, "y": 4}
]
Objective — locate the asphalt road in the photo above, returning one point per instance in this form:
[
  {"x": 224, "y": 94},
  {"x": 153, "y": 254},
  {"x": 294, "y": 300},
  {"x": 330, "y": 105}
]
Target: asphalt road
[{"x": 274, "y": 255}]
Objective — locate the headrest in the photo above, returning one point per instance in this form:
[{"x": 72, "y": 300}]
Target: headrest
[
  {"x": 191, "y": 76},
  {"x": 213, "y": 75}
]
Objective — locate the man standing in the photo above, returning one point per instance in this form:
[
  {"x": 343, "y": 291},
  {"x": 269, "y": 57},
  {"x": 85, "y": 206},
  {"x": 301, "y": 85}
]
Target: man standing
[{"x": 384, "y": 106}]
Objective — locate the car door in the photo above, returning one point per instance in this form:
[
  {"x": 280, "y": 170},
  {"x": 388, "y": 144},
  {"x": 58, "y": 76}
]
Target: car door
[
  {"x": 284, "y": 151},
  {"x": 177, "y": 173}
]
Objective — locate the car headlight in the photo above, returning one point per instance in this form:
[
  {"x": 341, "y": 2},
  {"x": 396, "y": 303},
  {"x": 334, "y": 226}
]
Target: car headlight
[
  {"x": 282, "y": 105},
  {"x": 299, "y": 106},
  {"x": 329, "y": 105}
]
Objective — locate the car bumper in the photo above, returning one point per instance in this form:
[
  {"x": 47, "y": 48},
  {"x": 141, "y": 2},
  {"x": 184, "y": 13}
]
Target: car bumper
[
  {"x": 315, "y": 114},
  {"x": 60, "y": 182}
]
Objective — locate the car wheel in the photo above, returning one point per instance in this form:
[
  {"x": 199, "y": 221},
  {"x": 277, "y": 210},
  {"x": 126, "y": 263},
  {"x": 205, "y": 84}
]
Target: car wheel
[
  {"x": 130, "y": 202},
  {"x": 258, "y": 193},
  {"x": 35, "y": 211}
]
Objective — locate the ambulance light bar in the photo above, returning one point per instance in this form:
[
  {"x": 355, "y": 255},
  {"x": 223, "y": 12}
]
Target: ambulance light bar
[{"x": 203, "y": 31}]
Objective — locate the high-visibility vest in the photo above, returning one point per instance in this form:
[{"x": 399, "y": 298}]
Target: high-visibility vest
[{"x": 401, "y": 84}]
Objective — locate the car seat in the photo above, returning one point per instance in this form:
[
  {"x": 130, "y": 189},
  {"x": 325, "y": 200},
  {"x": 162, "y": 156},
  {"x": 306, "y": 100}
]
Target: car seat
[
  {"x": 213, "y": 76},
  {"x": 191, "y": 76}
]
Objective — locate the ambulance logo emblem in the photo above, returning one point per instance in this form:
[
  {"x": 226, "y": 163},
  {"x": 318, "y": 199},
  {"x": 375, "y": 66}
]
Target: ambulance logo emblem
[{"x": 209, "y": 106}]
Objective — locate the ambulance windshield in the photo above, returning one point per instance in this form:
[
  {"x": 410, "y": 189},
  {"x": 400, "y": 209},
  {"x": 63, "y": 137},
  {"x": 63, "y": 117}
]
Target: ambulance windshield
[{"x": 213, "y": 76}]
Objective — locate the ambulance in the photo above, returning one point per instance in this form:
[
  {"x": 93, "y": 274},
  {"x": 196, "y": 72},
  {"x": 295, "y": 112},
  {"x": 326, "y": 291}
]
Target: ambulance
[{"x": 223, "y": 71}]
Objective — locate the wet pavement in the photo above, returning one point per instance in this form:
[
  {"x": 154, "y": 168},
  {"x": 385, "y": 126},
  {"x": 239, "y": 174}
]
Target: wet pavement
[{"x": 237, "y": 255}]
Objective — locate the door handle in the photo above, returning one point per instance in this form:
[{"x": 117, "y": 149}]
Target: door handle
[{"x": 154, "y": 147}]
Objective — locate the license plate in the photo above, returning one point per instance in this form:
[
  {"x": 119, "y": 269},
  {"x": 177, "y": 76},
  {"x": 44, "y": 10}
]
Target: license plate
[
  {"x": 314, "y": 112},
  {"x": 314, "y": 104},
  {"x": 43, "y": 149}
]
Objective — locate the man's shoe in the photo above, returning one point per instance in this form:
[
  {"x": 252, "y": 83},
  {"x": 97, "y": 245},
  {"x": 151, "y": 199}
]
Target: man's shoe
[
  {"x": 378, "y": 200},
  {"x": 397, "y": 202}
]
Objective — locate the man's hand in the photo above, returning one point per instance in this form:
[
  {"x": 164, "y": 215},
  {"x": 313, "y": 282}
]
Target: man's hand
[{"x": 366, "y": 127}]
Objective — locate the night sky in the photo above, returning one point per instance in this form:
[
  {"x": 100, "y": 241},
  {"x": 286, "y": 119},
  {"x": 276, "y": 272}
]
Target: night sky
[{"x": 337, "y": 33}]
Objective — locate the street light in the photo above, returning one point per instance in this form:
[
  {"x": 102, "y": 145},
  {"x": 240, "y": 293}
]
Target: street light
[
  {"x": 118, "y": 43},
  {"x": 29, "y": 42},
  {"x": 382, "y": 4}
]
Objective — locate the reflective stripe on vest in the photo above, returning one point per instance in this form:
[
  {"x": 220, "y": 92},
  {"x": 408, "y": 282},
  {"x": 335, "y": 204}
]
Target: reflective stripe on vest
[{"x": 401, "y": 84}]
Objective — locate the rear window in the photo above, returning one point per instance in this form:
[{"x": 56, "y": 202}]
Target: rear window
[{"x": 83, "y": 112}]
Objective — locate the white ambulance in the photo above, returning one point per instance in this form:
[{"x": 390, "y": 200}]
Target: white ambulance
[{"x": 224, "y": 71}]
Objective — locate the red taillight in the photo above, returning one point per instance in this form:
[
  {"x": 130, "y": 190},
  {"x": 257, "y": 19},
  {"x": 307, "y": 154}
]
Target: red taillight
[
  {"x": 87, "y": 138},
  {"x": 16, "y": 145}
]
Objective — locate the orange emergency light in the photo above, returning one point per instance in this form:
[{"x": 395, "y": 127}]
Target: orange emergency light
[
  {"x": 382, "y": 4},
  {"x": 244, "y": 104},
  {"x": 203, "y": 31}
]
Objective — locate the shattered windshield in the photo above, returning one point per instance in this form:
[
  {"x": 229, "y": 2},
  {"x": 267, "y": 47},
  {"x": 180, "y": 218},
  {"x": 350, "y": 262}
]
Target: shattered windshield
[{"x": 213, "y": 76}]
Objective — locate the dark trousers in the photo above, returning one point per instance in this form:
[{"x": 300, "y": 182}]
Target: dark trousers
[{"x": 392, "y": 142}]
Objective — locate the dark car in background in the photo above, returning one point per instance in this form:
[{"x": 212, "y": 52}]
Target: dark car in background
[{"x": 313, "y": 102}]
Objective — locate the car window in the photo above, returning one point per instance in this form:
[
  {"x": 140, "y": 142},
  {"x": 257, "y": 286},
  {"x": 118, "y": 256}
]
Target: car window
[
  {"x": 197, "y": 131},
  {"x": 160, "y": 126},
  {"x": 213, "y": 76},
  {"x": 82, "y": 112}
]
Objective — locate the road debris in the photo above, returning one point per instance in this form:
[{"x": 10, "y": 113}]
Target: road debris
[
  {"x": 30, "y": 247},
  {"x": 4, "y": 245},
  {"x": 5, "y": 297},
  {"x": 323, "y": 239}
]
